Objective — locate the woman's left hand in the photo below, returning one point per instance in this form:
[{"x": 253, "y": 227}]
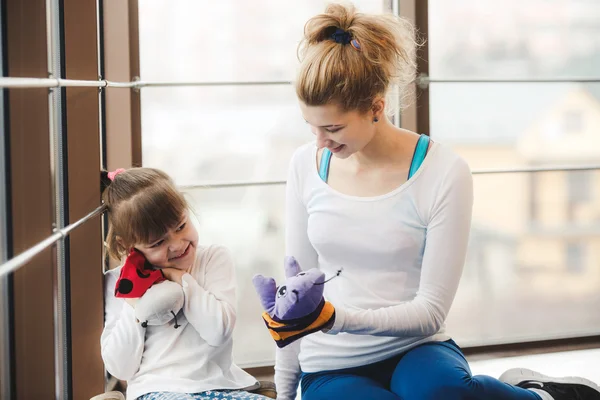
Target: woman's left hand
[{"x": 173, "y": 274}]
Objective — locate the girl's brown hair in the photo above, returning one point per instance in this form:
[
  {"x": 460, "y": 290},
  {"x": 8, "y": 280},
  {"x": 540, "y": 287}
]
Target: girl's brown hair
[
  {"x": 143, "y": 204},
  {"x": 351, "y": 77}
]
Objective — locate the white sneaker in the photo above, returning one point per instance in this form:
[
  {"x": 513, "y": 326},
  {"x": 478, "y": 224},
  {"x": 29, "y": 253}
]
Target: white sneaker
[{"x": 567, "y": 388}]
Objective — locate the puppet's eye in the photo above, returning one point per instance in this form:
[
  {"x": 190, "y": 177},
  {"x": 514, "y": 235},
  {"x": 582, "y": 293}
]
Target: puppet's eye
[
  {"x": 282, "y": 291},
  {"x": 301, "y": 274}
]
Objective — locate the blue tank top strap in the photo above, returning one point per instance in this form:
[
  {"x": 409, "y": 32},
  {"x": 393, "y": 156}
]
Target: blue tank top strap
[
  {"x": 418, "y": 157},
  {"x": 419, "y": 154},
  {"x": 324, "y": 164}
]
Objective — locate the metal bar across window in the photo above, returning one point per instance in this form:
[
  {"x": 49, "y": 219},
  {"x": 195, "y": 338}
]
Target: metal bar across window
[
  {"x": 421, "y": 81},
  {"x": 30, "y": 83},
  {"x": 218, "y": 185},
  {"x": 25, "y": 83},
  {"x": 143, "y": 84},
  {"x": 555, "y": 168},
  {"x": 424, "y": 80},
  {"x": 18, "y": 261}
]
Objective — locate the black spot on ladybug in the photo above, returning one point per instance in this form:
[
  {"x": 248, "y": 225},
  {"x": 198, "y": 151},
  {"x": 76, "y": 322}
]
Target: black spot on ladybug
[
  {"x": 125, "y": 286},
  {"x": 141, "y": 274}
]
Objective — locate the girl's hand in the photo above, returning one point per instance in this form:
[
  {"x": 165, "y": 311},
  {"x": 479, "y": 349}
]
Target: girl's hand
[{"x": 173, "y": 274}]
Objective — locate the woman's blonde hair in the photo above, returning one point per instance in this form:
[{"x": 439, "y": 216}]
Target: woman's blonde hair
[
  {"x": 143, "y": 204},
  {"x": 349, "y": 76}
]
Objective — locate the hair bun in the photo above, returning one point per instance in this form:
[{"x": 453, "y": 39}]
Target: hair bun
[
  {"x": 322, "y": 26},
  {"x": 332, "y": 71}
]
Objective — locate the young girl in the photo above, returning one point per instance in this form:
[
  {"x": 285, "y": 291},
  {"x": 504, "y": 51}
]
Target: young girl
[
  {"x": 393, "y": 209},
  {"x": 194, "y": 361}
]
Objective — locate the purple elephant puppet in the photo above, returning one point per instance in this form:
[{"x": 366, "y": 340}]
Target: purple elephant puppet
[{"x": 295, "y": 308}]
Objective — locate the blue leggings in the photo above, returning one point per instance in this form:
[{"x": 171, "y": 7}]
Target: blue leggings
[{"x": 432, "y": 371}]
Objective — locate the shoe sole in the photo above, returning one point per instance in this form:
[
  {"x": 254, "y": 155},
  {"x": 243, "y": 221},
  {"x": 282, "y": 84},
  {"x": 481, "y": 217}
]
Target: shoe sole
[{"x": 517, "y": 375}]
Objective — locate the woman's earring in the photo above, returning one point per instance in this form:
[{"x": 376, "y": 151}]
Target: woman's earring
[{"x": 375, "y": 119}]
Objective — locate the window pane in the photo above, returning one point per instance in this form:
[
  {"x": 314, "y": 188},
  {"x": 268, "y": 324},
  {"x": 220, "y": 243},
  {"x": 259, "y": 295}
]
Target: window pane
[
  {"x": 248, "y": 221},
  {"x": 238, "y": 133},
  {"x": 517, "y": 124},
  {"x": 514, "y": 38},
  {"x": 530, "y": 276},
  {"x": 226, "y": 40}
]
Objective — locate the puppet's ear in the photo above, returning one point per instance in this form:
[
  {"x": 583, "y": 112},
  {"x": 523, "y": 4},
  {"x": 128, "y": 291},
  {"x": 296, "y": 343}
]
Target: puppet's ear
[
  {"x": 266, "y": 288},
  {"x": 292, "y": 268}
]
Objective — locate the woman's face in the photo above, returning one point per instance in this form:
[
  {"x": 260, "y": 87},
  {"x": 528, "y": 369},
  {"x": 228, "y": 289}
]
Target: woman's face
[{"x": 343, "y": 133}]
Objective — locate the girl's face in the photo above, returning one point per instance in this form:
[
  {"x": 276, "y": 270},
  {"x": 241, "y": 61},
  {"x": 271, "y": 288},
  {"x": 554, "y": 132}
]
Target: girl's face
[
  {"x": 343, "y": 133},
  {"x": 176, "y": 249}
]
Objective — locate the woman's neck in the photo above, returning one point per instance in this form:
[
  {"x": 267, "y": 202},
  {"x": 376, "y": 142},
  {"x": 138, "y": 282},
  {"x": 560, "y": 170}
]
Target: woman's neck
[{"x": 390, "y": 145}]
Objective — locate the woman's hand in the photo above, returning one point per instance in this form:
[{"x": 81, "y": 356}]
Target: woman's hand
[{"x": 173, "y": 274}]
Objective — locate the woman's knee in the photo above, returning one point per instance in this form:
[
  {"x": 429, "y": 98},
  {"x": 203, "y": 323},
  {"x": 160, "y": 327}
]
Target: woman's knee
[
  {"x": 346, "y": 387},
  {"x": 456, "y": 389},
  {"x": 432, "y": 371}
]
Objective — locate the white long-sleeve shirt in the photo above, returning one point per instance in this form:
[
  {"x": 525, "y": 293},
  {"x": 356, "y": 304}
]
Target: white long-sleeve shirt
[
  {"x": 402, "y": 255},
  {"x": 193, "y": 358}
]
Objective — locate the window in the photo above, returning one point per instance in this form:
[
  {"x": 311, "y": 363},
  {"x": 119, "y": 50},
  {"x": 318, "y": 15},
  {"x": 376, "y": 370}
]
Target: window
[
  {"x": 579, "y": 193},
  {"x": 580, "y": 186},
  {"x": 533, "y": 198},
  {"x": 502, "y": 39},
  {"x": 487, "y": 102},
  {"x": 576, "y": 258},
  {"x": 573, "y": 122}
]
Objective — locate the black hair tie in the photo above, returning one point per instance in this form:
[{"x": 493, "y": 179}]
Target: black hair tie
[{"x": 341, "y": 36}]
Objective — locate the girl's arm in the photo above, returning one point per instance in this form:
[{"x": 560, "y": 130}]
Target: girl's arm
[
  {"x": 122, "y": 340},
  {"x": 443, "y": 260},
  {"x": 211, "y": 308}
]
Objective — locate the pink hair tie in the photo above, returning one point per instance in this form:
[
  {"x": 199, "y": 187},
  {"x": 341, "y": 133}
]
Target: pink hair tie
[{"x": 111, "y": 175}]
